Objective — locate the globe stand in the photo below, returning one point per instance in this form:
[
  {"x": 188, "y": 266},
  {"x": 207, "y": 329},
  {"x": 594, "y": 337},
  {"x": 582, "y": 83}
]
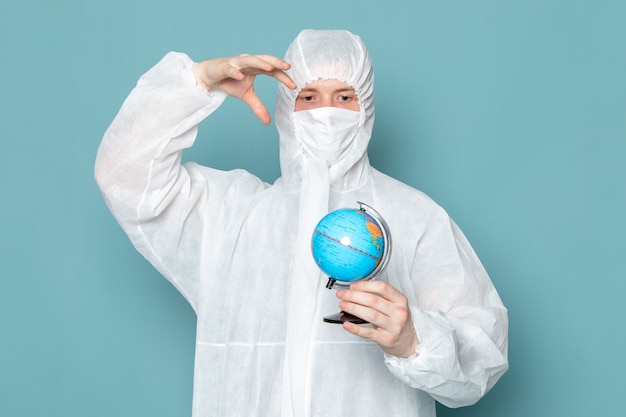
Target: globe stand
[{"x": 342, "y": 316}]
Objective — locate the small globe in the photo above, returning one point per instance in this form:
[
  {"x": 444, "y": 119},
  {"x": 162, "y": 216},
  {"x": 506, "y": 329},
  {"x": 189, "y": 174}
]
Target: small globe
[{"x": 348, "y": 244}]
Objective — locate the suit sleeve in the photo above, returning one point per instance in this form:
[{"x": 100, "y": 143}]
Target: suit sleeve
[
  {"x": 161, "y": 204},
  {"x": 460, "y": 320}
]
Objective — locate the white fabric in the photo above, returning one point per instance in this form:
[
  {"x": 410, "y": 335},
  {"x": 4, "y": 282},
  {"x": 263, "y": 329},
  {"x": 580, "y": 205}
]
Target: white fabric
[
  {"x": 305, "y": 165},
  {"x": 326, "y": 133},
  {"x": 236, "y": 248}
]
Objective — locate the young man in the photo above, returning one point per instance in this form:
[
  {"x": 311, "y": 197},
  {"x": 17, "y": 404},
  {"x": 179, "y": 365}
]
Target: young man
[{"x": 238, "y": 249}]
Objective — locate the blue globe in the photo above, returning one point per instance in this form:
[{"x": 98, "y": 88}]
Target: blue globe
[{"x": 348, "y": 244}]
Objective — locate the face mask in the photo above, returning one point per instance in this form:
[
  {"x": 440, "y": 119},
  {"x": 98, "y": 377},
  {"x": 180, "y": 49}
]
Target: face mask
[{"x": 326, "y": 132}]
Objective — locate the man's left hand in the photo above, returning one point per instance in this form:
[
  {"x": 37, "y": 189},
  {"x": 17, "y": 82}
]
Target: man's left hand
[{"x": 387, "y": 309}]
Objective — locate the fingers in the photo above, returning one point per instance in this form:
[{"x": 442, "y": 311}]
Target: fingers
[
  {"x": 378, "y": 287},
  {"x": 402, "y": 344},
  {"x": 265, "y": 64},
  {"x": 249, "y": 66},
  {"x": 235, "y": 75},
  {"x": 257, "y": 106},
  {"x": 387, "y": 310},
  {"x": 361, "y": 331},
  {"x": 377, "y": 300},
  {"x": 213, "y": 73},
  {"x": 230, "y": 71},
  {"x": 284, "y": 79}
]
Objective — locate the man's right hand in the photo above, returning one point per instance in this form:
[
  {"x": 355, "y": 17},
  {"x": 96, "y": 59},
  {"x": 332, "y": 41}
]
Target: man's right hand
[{"x": 235, "y": 76}]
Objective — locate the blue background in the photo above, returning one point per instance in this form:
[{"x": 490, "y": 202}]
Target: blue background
[{"x": 511, "y": 114}]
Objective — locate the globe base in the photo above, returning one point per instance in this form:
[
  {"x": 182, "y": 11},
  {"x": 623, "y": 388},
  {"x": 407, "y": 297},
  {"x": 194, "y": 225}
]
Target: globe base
[{"x": 343, "y": 317}]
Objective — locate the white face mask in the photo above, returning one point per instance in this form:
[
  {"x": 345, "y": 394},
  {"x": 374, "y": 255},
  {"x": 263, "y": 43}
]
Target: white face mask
[{"x": 326, "y": 132}]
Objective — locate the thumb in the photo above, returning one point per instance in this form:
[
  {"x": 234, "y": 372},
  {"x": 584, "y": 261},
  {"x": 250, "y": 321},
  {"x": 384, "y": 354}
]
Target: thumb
[{"x": 257, "y": 106}]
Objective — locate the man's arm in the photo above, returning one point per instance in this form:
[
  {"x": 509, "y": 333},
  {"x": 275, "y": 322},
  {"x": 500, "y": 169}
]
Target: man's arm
[{"x": 161, "y": 204}]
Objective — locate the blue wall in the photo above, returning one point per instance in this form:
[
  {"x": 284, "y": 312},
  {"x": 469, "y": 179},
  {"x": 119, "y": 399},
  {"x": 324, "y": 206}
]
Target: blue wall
[{"x": 510, "y": 114}]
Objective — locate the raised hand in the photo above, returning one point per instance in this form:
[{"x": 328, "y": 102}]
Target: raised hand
[
  {"x": 387, "y": 310},
  {"x": 235, "y": 75}
]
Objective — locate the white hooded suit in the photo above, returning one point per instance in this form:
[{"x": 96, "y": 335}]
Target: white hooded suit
[{"x": 238, "y": 250}]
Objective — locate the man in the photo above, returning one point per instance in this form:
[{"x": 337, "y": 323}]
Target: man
[{"x": 238, "y": 249}]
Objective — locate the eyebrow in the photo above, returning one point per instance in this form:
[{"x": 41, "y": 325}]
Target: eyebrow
[{"x": 340, "y": 90}]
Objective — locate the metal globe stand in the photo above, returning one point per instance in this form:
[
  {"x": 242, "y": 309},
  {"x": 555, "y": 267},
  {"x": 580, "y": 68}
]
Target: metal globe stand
[{"x": 342, "y": 316}]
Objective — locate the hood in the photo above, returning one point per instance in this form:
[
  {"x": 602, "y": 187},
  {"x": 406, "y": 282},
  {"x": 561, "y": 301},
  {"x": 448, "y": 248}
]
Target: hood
[{"x": 326, "y": 54}]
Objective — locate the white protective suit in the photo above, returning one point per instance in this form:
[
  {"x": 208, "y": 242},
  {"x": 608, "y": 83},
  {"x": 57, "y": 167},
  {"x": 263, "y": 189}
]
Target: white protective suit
[{"x": 238, "y": 250}]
